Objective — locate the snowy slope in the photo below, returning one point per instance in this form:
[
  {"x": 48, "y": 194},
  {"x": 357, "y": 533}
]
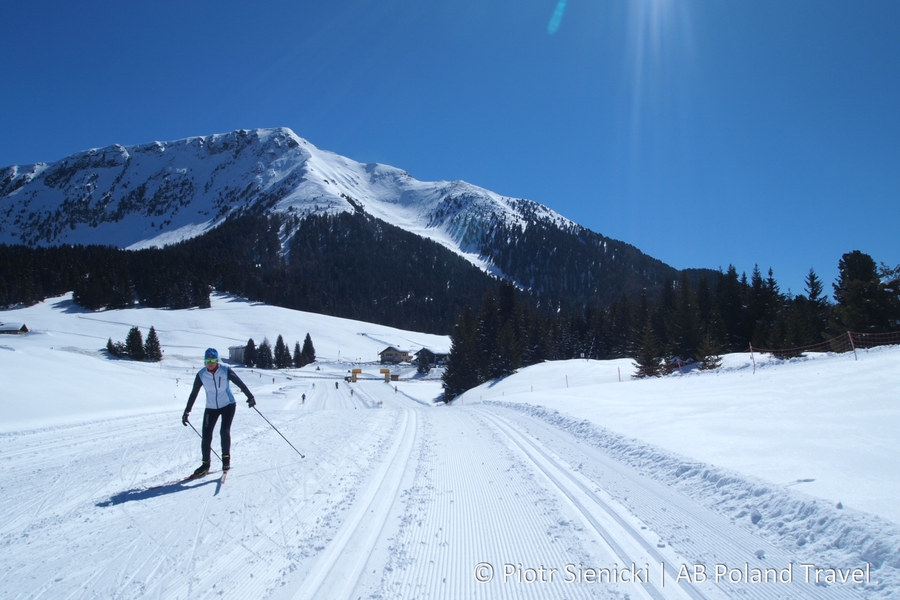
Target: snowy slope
[
  {"x": 165, "y": 192},
  {"x": 530, "y": 487}
]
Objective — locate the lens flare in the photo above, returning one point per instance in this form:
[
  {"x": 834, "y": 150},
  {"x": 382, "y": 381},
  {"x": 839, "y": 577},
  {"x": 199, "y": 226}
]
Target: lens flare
[{"x": 556, "y": 19}]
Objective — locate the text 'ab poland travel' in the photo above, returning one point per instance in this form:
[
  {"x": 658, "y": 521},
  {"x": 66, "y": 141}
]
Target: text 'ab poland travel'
[{"x": 486, "y": 572}]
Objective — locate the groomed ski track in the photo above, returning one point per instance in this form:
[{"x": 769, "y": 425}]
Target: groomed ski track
[{"x": 397, "y": 498}]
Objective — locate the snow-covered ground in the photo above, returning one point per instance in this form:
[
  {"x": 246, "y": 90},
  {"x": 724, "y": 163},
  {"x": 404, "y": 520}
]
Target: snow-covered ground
[{"x": 565, "y": 480}]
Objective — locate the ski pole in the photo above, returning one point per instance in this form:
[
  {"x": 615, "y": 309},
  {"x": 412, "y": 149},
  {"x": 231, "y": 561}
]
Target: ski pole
[
  {"x": 201, "y": 437},
  {"x": 278, "y": 432}
]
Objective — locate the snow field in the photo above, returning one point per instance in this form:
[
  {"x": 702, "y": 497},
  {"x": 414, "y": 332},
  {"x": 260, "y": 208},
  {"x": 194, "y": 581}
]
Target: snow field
[{"x": 537, "y": 486}]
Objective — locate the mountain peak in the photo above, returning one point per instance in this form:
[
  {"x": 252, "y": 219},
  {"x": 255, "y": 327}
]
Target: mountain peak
[{"x": 162, "y": 193}]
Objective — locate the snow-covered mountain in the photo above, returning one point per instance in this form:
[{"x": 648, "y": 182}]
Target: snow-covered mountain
[{"x": 166, "y": 192}]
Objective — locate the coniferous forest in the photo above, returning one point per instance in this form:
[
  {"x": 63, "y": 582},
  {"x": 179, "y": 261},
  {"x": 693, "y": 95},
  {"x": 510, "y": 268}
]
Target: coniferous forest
[
  {"x": 685, "y": 323},
  {"x": 355, "y": 266},
  {"x": 346, "y": 265}
]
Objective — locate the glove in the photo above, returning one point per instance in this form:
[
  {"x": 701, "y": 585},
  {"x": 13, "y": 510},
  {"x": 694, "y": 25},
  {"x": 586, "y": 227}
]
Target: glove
[
  {"x": 251, "y": 402},
  {"x": 184, "y": 419}
]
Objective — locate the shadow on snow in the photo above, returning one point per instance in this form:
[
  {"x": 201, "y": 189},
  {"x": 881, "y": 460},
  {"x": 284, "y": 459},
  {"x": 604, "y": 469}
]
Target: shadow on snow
[{"x": 145, "y": 493}]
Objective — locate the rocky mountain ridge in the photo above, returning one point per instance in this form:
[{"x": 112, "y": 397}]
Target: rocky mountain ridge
[{"x": 161, "y": 193}]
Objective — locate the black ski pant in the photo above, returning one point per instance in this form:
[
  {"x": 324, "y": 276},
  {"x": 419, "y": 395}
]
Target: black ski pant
[{"x": 210, "y": 416}]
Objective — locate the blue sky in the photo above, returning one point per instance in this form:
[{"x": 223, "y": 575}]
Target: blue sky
[{"x": 704, "y": 132}]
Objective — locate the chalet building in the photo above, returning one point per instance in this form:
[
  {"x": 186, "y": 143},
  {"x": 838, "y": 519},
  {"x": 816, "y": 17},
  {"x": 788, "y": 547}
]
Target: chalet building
[
  {"x": 432, "y": 357},
  {"x": 393, "y": 356},
  {"x": 13, "y": 328}
]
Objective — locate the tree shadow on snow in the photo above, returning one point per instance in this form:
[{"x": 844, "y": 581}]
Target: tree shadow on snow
[{"x": 145, "y": 493}]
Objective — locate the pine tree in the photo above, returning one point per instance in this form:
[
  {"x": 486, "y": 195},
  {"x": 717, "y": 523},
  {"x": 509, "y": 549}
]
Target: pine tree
[
  {"x": 308, "y": 353},
  {"x": 711, "y": 345},
  {"x": 264, "y": 355},
  {"x": 250, "y": 353},
  {"x": 282, "y": 354},
  {"x": 863, "y": 303},
  {"x": 423, "y": 362},
  {"x": 763, "y": 304},
  {"x": 648, "y": 361},
  {"x": 730, "y": 303},
  {"x": 152, "y": 349},
  {"x": 461, "y": 372},
  {"x": 114, "y": 349},
  {"x": 297, "y": 358},
  {"x": 814, "y": 315},
  {"x": 134, "y": 344},
  {"x": 709, "y": 350},
  {"x": 488, "y": 335}
]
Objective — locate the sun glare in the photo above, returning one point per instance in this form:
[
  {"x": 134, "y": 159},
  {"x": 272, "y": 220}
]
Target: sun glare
[
  {"x": 657, "y": 44},
  {"x": 649, "y": 29}
]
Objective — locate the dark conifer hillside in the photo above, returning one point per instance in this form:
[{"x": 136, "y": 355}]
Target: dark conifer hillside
[{"x": 346, "y": 265}]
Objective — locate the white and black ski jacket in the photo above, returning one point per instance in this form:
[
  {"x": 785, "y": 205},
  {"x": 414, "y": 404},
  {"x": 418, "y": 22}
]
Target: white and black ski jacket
[{"x": 218, "y": 392}]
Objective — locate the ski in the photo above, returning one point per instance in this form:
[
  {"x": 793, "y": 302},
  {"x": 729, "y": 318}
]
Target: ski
[
  {"x": 192, "y": 476},
  {"x": 222, "y": 478}
]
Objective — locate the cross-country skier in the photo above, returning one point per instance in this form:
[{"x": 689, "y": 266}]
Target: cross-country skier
[{"x": 220, "y": 402}]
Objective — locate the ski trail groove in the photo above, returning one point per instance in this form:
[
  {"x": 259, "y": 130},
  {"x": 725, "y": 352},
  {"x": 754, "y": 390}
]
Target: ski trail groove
[
  {"x": 615, "y": 531},
  {"x": 684, "y": 526},
  {"x": 340, "y": 565},
  {"x": 473, "y": 501}
]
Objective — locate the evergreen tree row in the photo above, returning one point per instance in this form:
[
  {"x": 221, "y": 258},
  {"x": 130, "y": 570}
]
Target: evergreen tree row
[
  {"x": 102, "y": 277},
  {"x": 686, "y": 322},
  {"x": 135, "y": 347},
  {"x": 263, "y": 356}
]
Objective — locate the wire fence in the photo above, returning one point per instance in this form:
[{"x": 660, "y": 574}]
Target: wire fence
[{"x": 848, "y": 342}]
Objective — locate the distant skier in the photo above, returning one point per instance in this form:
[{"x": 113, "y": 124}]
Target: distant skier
[{"x": 220, "y": 401}]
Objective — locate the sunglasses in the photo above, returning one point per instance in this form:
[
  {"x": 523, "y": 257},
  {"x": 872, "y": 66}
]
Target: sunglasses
[{"x": 211, "y": 361}]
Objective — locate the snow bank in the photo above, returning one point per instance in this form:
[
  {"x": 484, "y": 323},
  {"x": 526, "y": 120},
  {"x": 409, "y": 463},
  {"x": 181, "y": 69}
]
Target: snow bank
[{"x": 789, "y": 519}]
